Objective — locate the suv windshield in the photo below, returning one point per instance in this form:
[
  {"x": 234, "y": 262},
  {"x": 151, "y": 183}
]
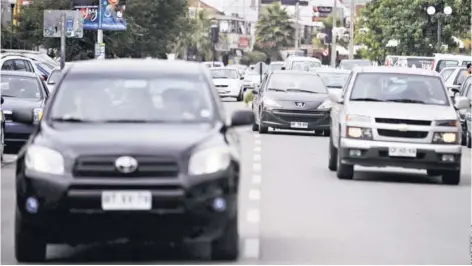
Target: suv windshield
[
  {"x": 20, "y": 87},
  {"x": 406, "y": 88},
  {"x": 296, "y": 83},
  {"x": 224, "y": 73},
  {"x": 176, "y": 98}
]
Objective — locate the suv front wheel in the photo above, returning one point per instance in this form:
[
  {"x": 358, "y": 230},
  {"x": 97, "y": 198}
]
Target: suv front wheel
[
  {"x": 344, "y": 171},
  {"x": 29, "y": 247}
]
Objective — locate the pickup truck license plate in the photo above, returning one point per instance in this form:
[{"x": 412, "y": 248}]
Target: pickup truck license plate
[
  {"x": 299, "y": 125},
  {"x": 126, "y": 200},
  {"x": 402, "y": 152}
]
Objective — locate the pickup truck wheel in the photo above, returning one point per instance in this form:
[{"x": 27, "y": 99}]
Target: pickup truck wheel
[
  {"x": 451, "y": 177},
  {"x": 28, "y": 246},
  {"x": 469, "y": 141},
  {"x": 226, "y": 246},
  {"x": 333, "y": 154},
  {"x": 344, "y": 171}
]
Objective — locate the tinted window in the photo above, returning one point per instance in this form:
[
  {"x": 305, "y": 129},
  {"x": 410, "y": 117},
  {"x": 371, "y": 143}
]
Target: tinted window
[
  {"x": 419, "y": 62},
  {"x": 394, "y": 87},
  {"x": 334, "y": 80},
  {"x": 177, "y": 98},
  {"x": 464, "y": 63},
  {"x": 446, "y": 73},
  {"x": 20, "y": 87},
  {"x": 20, "y": 65},
  {"x": 8, "y": 65},
  {"x": 296, "y": 82},
  {"x": 224, "y": 73}
]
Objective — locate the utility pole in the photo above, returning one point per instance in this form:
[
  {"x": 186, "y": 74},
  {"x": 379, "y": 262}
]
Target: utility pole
[
  {"x": 297, "y": 25},
  {"x": 333, "y": 45},
  {"x": 63, "y": 40},
  {"x": 351, "y": 30}
]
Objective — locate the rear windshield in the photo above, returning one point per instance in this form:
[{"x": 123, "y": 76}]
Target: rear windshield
[
  {"x": 403, "y": 88},
  {"x": 424, "y": 63},
  {"x": 20, "y": 87}
]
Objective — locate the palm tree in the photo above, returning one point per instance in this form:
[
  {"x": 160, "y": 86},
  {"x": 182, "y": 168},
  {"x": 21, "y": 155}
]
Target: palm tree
[{"x": 274, "y": 29}]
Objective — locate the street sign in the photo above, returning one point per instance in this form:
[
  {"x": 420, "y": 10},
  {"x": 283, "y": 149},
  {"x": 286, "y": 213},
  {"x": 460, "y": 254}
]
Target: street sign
[
  {"x": 53, "y": 26},
  {"x": 325, "y": 52},
  {"x": 99, "y": 50}
]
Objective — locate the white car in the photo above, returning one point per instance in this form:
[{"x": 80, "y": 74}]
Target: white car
[
  {"x": 53, "y": 78},
  {"x": 212, "y": 64},
  {"x": 228, "y": 82},
  {"x": 21, "y": 63}
]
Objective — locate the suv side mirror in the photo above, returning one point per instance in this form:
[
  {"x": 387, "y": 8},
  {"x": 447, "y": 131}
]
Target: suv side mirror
[
  {"x": 462, "y": 103},
  {"x": 242, "y": 118}
]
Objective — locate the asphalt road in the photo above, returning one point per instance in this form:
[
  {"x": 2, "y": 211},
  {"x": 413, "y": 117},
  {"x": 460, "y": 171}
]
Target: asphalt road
[{"x": 293, "y": 210}]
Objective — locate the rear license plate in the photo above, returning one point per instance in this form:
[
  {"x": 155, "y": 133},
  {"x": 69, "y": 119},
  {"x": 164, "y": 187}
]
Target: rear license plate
[
  {"x": 126, "y": 200},
  {"x": 299, "y": 125},
  {"x": 402, "y": 152}
]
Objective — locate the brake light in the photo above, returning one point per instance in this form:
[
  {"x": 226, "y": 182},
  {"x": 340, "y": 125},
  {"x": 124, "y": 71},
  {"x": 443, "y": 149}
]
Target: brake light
[{"x": 432, "y": 65}]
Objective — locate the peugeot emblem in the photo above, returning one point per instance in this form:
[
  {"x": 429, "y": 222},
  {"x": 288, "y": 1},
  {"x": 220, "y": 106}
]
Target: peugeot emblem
[
  {"x": 126, "y": 164},
  {"x": 299, "y": 104}
]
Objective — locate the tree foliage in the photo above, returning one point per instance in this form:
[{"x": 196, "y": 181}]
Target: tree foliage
[
  {"x": 274, "y": 30},
  {"x": 408, "y": 22},
  {"x": 253, "y": 57},
  {"x": 152, "y": 26}
]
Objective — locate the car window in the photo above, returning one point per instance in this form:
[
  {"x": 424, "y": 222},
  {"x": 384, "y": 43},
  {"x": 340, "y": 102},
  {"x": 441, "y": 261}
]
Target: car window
[
  {"x": 334, "y": 80},
  {"x": 224, "y": 73},
  {"x": 446, "y": 63},
  {"x": 304, "y": 65},
  {"x": 468, "y": 91},
  {"x": 415, "y": 62},
  {"x": 464, "y": 63},
  {"x": 346, "y": 84},
  {"x": 54, "y": 77},
  {"x": 20, "y": 87},
  {"x": 8, "y": 65},
  {"x": 20, "y": 65},
  {"x": 289, "y": 82},
  {"x": 446, "y": 73},
  {"x": 160, "y": 99},
  {"x": 460, "y": 77},
  {"x": 395, "y": 87}
]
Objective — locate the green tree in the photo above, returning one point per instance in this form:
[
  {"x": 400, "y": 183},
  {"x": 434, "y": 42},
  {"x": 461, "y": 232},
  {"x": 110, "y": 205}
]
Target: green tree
[
  {"x": 275, "y": 30},
  {"x": 409, "y": 24},
  {"x": 152, "y": 25}
]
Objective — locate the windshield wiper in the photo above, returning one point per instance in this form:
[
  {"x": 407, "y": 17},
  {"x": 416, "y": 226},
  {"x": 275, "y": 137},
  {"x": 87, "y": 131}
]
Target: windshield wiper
[
  {"x": 405, "y": 101},
  {"x": 367, "y": 100},
  {"x": 300, "y": 90},
  {"x": 335, "y": 87},
  {"x": 273, "y": 89}
]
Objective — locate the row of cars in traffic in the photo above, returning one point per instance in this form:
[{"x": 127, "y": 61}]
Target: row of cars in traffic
[{"x": 374, "y": 116}]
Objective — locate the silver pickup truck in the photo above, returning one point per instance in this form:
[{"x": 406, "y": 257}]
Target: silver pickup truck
[{"x": 398, "y": 117}]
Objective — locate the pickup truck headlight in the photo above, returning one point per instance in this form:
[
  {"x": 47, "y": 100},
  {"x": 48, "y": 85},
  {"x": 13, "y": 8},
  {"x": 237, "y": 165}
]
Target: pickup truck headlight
[
  {"x": 44, "y": 160},
  {"x": 326, "y": 105},
  {"x": 445, "y": 138},
  {"x": 37, "y": 115},
  {"x": 359, "y": 133},
  {"x": 209, "y": 161}
]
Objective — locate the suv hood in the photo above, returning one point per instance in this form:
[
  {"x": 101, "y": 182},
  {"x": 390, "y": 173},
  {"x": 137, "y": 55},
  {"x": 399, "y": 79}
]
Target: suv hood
[
  {"x": 155, "y": 139},
  {"x": 402, "y": 110}
]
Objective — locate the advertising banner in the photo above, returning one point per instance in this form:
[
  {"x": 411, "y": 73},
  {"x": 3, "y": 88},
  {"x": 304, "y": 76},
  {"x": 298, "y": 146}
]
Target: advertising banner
[{"x": 102, "y": 14}]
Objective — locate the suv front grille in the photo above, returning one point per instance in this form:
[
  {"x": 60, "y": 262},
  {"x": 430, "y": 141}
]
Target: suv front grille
[
  {"x": 403, "y": 121},
  {"x": 104, "y": 166},
  {"x": 402, "y": 134}
]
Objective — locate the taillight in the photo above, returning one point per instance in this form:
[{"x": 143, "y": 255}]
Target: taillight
[{"x": 432, "y": 65}]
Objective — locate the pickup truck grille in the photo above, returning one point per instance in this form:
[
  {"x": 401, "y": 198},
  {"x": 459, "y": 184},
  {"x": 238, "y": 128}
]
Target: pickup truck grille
[
  {"x": 402, "y": 134},
  {"x": 104, "y": 166},
  {"x": 403, "y": 121}
]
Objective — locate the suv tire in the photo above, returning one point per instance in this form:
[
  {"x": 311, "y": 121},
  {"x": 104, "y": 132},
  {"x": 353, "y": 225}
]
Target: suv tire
[
  {"x": 469, "y": 141},
  {"x": 344, "y": 171},
  {"x": 226, "y": 246},
  {"x": 333, "y": 156},
  {"x": 452, "y": 177},
  {"x": 29, "y": 247}
]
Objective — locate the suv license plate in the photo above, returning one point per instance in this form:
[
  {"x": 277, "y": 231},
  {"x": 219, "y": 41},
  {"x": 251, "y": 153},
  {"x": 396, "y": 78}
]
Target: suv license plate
[
  {"x": 402, "y": 152},
  {"x": 299, "y": 125},
  {"x": 126, "y": 200}
]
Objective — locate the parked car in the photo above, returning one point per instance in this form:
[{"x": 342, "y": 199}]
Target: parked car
[{"x": 23, "y": 63}]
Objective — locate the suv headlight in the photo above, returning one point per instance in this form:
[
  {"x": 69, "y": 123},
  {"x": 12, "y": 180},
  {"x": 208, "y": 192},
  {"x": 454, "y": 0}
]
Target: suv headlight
[
  {"x": 44, "y": 160},
  {"x": 271, "y": 103},
  {"x": 358, "y": 118},
  {"x": 37, "y": 114},
  {"x": 209, "y": 161},
  {"x": 445, "y": 138},
  {"x": 447, "y": 123},
  {"x": 327, "y": 104},
  {"x": 359, "y": 133}
]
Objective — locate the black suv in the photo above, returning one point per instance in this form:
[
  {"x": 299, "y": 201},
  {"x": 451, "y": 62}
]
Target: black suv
[{"x": 136, "y": 149}]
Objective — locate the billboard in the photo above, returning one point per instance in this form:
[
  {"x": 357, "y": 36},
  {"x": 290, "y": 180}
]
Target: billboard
[
  {"x": 104, "y": 15},
  {"x": 287, "y": 2}
]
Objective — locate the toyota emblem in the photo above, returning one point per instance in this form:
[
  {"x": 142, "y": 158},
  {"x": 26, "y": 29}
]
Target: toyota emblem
[
  {"x": 299, "y": 104},
  {"x": 126, "y": 164}
]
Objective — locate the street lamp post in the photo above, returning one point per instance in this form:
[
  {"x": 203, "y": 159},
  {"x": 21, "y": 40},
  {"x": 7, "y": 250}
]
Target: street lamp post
[
  {"x": 431, "y": 10},
  {"x": 12, "y": 10}
]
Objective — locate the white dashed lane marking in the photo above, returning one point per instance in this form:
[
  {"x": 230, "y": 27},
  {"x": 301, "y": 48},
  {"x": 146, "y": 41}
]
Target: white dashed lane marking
[
  {"x": 253, "y": 216},
  {"x": 254, "y": 194},
  {"x": 256, "y": 179}
]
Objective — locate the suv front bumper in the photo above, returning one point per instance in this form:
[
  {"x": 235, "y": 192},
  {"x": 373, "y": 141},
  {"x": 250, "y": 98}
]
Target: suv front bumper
[
  {"x": 70, "y": 209},
  {"x": 376, "y": 154}
]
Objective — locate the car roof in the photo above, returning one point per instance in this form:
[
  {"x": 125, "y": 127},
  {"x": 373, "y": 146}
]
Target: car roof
[
  {"x": 19, "y": 73},
  {"x": 395, "y": 70},
  {"x": 141, "y": 65},
  {"x": 277, "y": 62},
  {"x": 15, "y": 56}
]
